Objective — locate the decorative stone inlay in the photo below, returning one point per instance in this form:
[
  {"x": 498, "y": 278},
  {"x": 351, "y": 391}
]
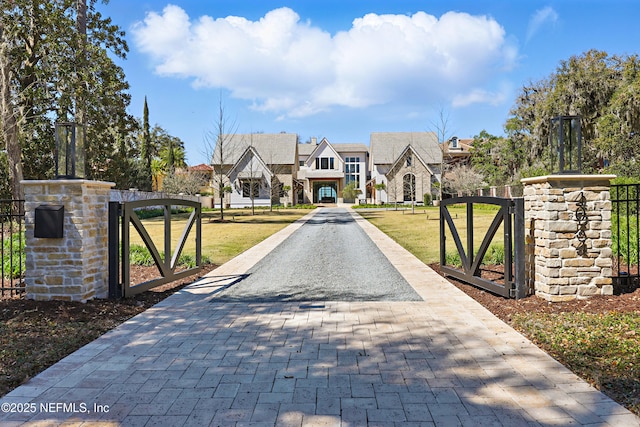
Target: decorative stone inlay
[{"x": 582, "y": 219}]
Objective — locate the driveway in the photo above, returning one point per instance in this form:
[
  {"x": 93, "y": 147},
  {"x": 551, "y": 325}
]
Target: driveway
[
  {"x": 329, "y": 258},
  {"x": 260, "y": 360}
]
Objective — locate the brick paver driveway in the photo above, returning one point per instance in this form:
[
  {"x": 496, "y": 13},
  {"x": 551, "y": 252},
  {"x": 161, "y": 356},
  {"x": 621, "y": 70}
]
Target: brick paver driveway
[{"x": 444, "y": 360}]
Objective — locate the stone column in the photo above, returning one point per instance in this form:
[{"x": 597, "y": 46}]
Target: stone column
[
  {"x": 566, "y": 265},
  {"x": 75, "y": 266}
]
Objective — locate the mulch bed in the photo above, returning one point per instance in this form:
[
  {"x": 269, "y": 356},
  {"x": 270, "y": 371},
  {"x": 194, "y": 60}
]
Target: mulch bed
[{"x": 505, "y": 308}]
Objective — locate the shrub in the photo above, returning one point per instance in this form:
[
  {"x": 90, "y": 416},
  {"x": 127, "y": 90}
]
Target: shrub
[
  {"x": 453, "y": 259},
  {"x": 13, "y": 255},
  {"x": 494, "y": 255},
  {"x": 140, "y": 255}
]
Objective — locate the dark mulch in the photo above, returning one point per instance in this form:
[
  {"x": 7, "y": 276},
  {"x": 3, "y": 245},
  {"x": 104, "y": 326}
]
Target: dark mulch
[{"x": 505, "y": 308}]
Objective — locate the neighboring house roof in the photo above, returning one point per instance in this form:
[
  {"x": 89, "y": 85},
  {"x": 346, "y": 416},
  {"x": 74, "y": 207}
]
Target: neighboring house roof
[
  {"x": 200, "y": 168},
  {"x": 458, "y": 151},
  {"x": 386, "y": 147},
  {"x": 462, "y": 149},
  {"x": 273, "y": 148}
]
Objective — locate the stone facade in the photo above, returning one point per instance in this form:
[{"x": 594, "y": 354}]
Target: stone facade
[
  {"x": 553, "y": 212},
  {"x": 74, "y": 267}
]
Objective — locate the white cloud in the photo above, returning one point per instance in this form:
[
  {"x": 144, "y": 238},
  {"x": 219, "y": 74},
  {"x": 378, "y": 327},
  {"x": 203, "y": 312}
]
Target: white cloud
[
  {"x": 479, "y": 96},
  {"x": 540, "y": 18},
  {"x": 292, "y": 68}
]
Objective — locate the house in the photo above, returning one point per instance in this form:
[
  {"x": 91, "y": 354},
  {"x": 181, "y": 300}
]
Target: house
[
  {"x": 457, "y": 151},
  {"x": 263, "y": 169},
  {"x": 206, "y": 172},
  {"x": 325, "y": 169},
  {"x": 255, "y": 169},
  {"x": 407, "y": 163}
]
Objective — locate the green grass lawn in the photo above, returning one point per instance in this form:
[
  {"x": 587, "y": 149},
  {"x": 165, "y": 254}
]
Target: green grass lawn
[{"x": 419, "y": 232}]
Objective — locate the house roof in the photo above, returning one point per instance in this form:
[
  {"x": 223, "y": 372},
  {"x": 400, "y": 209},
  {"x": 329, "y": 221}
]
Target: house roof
[
  {"x": 273, "y": 148},
  {"x": 200, "y": 168},
  {"x": 350, "y": 148},
  {"x": 325, "y": 142},
  {"x": 386, "y": 147},
  {"x": 464, "y": 147},
  {"x": 306, "y": 149},
  {"x": 239, "y": 169},
  {"x": 401, "y": 159}
]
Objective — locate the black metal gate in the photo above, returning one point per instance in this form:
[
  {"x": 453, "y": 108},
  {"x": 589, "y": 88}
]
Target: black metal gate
[
  {"x": 121, "y": 217},
  {"x": 12, "y": 255},
  {"x": 511, "y": 214},
  {"x": 625, "y": 223}
]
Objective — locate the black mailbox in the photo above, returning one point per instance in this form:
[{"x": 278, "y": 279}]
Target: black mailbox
[{"x": 49, "y": 221}]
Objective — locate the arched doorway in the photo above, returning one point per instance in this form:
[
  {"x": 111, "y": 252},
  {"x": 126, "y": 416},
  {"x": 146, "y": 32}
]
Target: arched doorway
[{"x": 325, "y": 192}]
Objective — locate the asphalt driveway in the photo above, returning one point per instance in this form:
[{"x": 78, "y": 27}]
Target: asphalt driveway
[{"x": 329, "y": 258}]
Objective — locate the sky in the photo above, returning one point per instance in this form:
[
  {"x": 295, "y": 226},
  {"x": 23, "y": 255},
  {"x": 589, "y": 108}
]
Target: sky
[{"x": 342, "y": 69}]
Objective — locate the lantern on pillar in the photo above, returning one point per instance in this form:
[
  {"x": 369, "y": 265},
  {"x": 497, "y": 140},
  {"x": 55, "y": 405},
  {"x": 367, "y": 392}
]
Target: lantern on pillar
[
  {"x": 70, "y": 150},
  {"x": 565, "y": 139}
]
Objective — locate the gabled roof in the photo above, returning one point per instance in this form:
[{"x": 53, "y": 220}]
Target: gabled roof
[
  {"x": 324, "y": 142},
  {"x": 386, "y": 147},
  {"x": 262, "y": 167},
  {"x": 273, "y": 148},
  {"x": 401, "y": 158}
]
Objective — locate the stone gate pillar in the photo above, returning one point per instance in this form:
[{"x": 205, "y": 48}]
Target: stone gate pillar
[
  {"x": 73, "y": 266},
  {"x": 568, "y": 224}
]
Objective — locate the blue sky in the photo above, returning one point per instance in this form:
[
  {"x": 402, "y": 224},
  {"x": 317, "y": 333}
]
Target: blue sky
[{"x": 342, "y": 69}]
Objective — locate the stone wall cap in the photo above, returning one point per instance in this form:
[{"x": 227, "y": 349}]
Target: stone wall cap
[
  {"x": 86, "y": 182},
  {"x": 567, "y": 177}
]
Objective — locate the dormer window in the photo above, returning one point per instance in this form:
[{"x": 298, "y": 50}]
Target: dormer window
[{"x": 454, "y": 142}]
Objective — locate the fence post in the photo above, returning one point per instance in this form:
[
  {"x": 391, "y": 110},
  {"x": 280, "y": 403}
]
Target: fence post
[
  {"x": 569, "y": 217},
  {"x": 520, "y": 280},
  {"x": 73, "y": 266},
  {"x": 115, "y": 290}
]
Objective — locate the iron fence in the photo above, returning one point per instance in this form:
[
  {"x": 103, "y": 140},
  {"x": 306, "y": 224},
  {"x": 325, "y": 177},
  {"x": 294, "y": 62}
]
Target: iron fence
[
  {"x": 12, "y": 255},
  {"x": 625, "y": 223}
]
